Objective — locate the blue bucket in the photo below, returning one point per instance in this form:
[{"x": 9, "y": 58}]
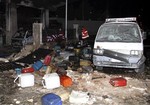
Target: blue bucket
[{"x": 51, "y": 99}]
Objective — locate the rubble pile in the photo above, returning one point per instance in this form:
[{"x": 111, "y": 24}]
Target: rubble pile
[{"x": 71, "y": 80}]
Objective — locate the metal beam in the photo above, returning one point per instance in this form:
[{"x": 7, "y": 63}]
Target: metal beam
[{"x": 66, "y": 22}]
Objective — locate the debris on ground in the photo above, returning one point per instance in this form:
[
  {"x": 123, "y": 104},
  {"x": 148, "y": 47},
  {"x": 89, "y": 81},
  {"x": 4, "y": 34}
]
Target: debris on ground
[{"x": 69, "y": 79}]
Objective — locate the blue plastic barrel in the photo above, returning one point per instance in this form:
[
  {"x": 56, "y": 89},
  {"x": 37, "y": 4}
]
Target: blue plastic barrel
[{"x": 51, "y": 99}]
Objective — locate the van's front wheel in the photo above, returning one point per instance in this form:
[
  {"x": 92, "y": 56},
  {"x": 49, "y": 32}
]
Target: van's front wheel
[{"x": 141, "y": 69}]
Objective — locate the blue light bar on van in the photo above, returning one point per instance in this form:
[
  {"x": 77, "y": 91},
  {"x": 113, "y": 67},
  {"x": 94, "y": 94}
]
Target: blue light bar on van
[{"x": 128, "y": 19}]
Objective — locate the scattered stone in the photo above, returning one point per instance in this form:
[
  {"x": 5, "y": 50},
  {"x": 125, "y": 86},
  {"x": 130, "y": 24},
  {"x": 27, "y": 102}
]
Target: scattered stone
[
  {"x": 17, "y": 102},
  {"x": 30, "y": 100}
]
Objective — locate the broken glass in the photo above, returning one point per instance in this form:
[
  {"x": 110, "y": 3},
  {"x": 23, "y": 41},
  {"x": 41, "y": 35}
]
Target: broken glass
[{"x": 118, "y": 32}]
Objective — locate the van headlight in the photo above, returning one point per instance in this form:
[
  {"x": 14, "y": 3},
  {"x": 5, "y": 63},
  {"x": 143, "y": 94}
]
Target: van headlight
[
  {"x": 135, "y": 52},
  {"x": 98, "y": 51}
]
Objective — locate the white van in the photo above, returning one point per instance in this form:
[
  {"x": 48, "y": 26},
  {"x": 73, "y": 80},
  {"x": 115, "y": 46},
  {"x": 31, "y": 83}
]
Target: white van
[{"x": 119, "y": 43}]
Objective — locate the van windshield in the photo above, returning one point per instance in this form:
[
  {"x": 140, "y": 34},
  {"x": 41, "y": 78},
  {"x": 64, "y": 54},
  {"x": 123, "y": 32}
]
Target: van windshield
[{"x": 118, "y": 32}]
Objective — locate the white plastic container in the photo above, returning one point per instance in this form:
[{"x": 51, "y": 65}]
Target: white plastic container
[
  {"x": 25, "y": 80},
  {"x": 51, "y": 81},
  {"x": 79, "y": 97}
]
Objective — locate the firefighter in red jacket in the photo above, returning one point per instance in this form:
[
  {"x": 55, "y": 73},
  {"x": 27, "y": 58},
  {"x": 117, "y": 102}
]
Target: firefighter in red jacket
[{"x": 84, "y": 33}]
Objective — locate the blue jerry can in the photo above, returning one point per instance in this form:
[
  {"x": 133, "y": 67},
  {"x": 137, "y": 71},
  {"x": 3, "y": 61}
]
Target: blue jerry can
[
  {"x": 37, "y": 65},
  {"x": 51, "y": 99}
]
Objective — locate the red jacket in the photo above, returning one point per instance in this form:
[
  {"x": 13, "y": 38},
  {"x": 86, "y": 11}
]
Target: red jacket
[{"x": 84, "y": 33}]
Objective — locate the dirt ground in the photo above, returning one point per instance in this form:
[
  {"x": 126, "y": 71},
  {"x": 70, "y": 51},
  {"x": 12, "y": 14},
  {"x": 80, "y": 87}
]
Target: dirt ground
[{"x": 96, "y": 84}]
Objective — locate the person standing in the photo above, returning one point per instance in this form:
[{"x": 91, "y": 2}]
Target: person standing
[{"x": 84, "y": 33}]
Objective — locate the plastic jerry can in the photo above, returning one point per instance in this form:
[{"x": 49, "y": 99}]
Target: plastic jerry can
[
  {"x": 118, "y": 81},
  {"x": 27, "y": 70},
  {"x": 65, "y": 81},
  {"x": 51, "y": 81},
  {"x": 47, "y": 60},
  {"x": 51, "y": 99},
  {"x": 37, "y": 65},
  {"x": 25, "y": 80}
]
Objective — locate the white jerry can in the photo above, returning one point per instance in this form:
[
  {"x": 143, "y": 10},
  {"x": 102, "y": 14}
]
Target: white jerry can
[
  {"x": 51, "y": 81},
  {"x": 25, "y": 80}
]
